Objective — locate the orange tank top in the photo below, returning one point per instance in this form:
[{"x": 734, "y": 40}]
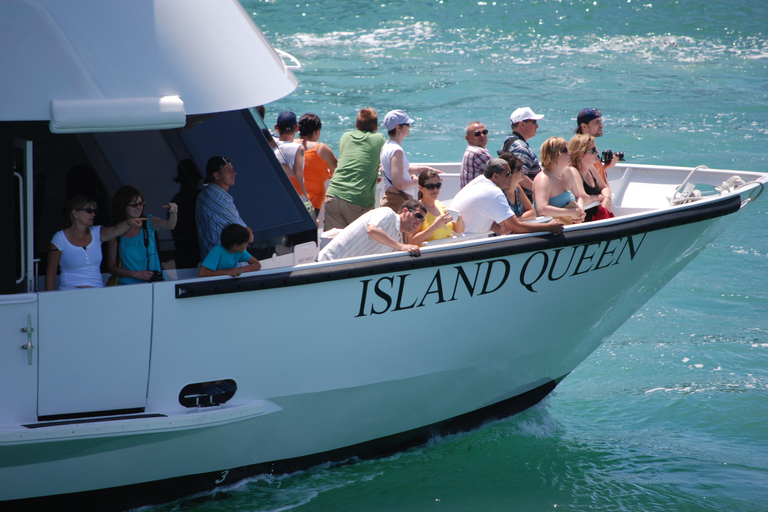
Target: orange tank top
[{"x": 315, "y": 175}]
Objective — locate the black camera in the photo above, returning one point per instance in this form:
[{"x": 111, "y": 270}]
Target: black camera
[
  {"x": 156, "y": 276},
  {"x": 608, "y": 156}
]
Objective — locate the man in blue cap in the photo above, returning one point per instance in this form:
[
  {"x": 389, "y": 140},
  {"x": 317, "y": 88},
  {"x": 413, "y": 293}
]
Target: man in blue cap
[
  {"x": 290, "y": 152},
  {"x": 590, "y": 122}
]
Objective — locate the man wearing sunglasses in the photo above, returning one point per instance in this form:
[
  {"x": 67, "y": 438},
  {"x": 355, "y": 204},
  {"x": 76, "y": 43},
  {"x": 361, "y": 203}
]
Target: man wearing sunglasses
[
  {"x": 484, "y": 206},
  {"x": 476, "y": 156},
  {"x": 376, "y": 232},
  {"x": 525, "y": 123}
]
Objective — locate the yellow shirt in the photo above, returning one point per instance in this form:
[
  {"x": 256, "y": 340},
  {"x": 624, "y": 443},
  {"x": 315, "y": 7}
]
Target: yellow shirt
[{"x": 443, "y": 232}]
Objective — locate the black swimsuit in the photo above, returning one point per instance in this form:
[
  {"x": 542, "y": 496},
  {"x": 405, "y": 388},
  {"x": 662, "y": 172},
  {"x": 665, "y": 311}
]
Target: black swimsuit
[
  {"x": 592, "y": 191},
  {"x": 589, "y": 189}
]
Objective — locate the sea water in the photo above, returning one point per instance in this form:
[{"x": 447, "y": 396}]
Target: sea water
[{"x": 671, "y": 412}]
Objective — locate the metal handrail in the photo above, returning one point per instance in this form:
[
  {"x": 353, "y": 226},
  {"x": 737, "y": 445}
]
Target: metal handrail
[
  {"x": 22, "y": 231},
  {"x": 286, "y": 55}
]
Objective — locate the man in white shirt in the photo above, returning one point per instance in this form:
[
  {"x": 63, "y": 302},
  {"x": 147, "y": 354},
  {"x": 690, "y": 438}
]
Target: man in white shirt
[
  {"x": 289, "y": 152},
  {"x": 376, "y": 232},
  {"x": 484, "y": 207}
]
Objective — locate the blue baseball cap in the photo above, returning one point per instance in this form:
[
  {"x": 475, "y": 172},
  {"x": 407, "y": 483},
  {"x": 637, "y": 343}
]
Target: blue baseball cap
[
  {"x": 286, "y": 119},
  {"x": 586, "y": 115}
]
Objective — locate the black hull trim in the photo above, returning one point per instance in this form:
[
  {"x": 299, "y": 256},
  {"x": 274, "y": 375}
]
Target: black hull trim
[
  {"x": 164, "y": 491},
  {"x": 663, "y": 219}
]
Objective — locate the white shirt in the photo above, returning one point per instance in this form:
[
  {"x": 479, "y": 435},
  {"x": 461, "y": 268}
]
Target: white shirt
[
  {"x": 387, "y": 152},
  {"x": 481, "y": 203},
  {"x": 286, "y": 152},
  {"x": 354, "y": 240}
]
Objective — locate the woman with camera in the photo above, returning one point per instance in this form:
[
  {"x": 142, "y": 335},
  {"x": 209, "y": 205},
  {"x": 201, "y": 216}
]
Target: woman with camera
[{"x": 139, "y": 261}]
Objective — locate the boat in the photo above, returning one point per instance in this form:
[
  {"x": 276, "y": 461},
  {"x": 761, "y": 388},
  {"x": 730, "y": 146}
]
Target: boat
[{"x": 103, "y": 405}]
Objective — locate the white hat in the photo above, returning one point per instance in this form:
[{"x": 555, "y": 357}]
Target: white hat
[
  {"x": 394, "y": 118},
  {"x": 522, "y": 114}
]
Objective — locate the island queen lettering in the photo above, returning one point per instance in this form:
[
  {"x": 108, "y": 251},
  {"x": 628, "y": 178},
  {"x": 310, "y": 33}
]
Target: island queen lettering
[{"x": 395, "y": 293}]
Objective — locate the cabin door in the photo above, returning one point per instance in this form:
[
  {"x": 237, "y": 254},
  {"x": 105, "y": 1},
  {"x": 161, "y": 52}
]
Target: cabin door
[
  {"x": 93, "y": 350},
  {"x": 18, "y": 357},
  {"x": 18, "y": 305}
]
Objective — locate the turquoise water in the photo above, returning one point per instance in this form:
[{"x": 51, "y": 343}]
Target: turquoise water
[{"x": 670, "y": 413}]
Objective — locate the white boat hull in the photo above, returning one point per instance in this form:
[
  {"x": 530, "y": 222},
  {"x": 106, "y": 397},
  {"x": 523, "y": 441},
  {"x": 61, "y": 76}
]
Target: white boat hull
[{"x": 353, "y": 358}]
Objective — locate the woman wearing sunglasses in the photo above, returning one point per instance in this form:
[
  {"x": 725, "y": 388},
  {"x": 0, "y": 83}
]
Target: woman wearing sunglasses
[
  {"x": 139, "y": 259},
  {"x": 590, "y": 186},
  {"x": 553, "y": 187},
  {"x": 438, "y": 223},
  {"x": 77, "y": 247}
]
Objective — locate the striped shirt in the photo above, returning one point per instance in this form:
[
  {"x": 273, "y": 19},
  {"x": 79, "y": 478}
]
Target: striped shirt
[
  {"x": 521, "y": 149},
  {"x": 354, "y": 240},
  {"x": 215, "y": 210},
  {"x": 473, "y": 163}
]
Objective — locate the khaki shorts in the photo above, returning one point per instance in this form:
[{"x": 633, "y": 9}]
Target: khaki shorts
[
  {"x": 394, "y": 200},
  {"x": 340, "y": 213}
]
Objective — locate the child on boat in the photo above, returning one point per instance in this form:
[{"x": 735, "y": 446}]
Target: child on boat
[{"x": 225, "y": 258}]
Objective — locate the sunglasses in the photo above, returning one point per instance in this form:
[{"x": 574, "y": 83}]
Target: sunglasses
[
  {"x": 593, "y": 151},
  {"x": 563, "y": 151},
  {"x": 479, "y": 133},
  {"x": 433, "y": 186},
  {"x": 419, "y": 216},
  {"x": 532, "y": 121},
  {"x": 136, "y": 205},
  {"x": 87, "y": 210}
]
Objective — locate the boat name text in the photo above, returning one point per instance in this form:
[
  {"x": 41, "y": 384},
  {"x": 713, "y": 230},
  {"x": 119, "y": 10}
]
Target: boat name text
[{"x": 394, "y": 293}]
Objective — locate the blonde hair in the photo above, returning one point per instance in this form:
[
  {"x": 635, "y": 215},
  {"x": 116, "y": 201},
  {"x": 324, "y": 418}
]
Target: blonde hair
[
  {"x": 578, "y": 146},
  {"x": 550, "y": 150}
]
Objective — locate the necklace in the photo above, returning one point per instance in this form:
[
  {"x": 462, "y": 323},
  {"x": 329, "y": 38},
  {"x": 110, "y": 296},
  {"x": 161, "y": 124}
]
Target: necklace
[{"x": 555, "y": 175}]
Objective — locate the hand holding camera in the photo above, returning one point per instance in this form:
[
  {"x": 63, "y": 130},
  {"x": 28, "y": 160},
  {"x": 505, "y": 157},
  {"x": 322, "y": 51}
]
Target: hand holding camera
[{"x": 608, "y": 156}]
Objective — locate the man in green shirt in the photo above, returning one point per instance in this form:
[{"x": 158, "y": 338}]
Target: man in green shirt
[{"x": 352, "y": 191}]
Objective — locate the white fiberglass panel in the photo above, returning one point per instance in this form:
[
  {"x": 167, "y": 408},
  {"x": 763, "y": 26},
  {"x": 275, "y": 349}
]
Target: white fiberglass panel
[
  {"x": 209, "y": 54},
  {"x": 94, "y": 349}
]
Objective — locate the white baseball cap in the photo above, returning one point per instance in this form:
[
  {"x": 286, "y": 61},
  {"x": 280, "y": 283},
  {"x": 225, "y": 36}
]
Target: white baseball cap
[
  {"x": 394, "y": 118},
  {"x": 522, "y": 114}
]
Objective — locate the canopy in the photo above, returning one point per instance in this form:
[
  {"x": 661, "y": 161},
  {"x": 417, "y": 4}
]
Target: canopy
[{"x": 90, "y": 58}]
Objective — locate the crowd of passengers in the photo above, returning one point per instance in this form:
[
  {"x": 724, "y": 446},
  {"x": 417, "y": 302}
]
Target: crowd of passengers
[{"x": 499, "y": 195}]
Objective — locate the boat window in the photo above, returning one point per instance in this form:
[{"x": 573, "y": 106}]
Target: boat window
[
  {"x": 56, "y": 161},
  {"x": 150, "y": 161},
  {"x": 98, "y": 164}
]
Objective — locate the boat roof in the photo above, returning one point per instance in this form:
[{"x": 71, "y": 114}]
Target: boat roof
[{"x": 89, "y": 65}]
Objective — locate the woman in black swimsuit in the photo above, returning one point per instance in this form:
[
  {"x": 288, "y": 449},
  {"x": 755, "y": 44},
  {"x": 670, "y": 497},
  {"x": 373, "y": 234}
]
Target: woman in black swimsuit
[{"x": 590, "y": 187}]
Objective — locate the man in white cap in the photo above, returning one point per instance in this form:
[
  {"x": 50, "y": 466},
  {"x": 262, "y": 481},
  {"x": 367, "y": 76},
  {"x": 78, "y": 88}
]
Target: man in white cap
[{"x": 524, "y": 125}]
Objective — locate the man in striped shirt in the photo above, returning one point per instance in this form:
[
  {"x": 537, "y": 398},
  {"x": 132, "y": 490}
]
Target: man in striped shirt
[
  {"x": 376, "y": 232},
  {"x": 215, "y": 208},
  {"x": 476, "y": 156}
]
